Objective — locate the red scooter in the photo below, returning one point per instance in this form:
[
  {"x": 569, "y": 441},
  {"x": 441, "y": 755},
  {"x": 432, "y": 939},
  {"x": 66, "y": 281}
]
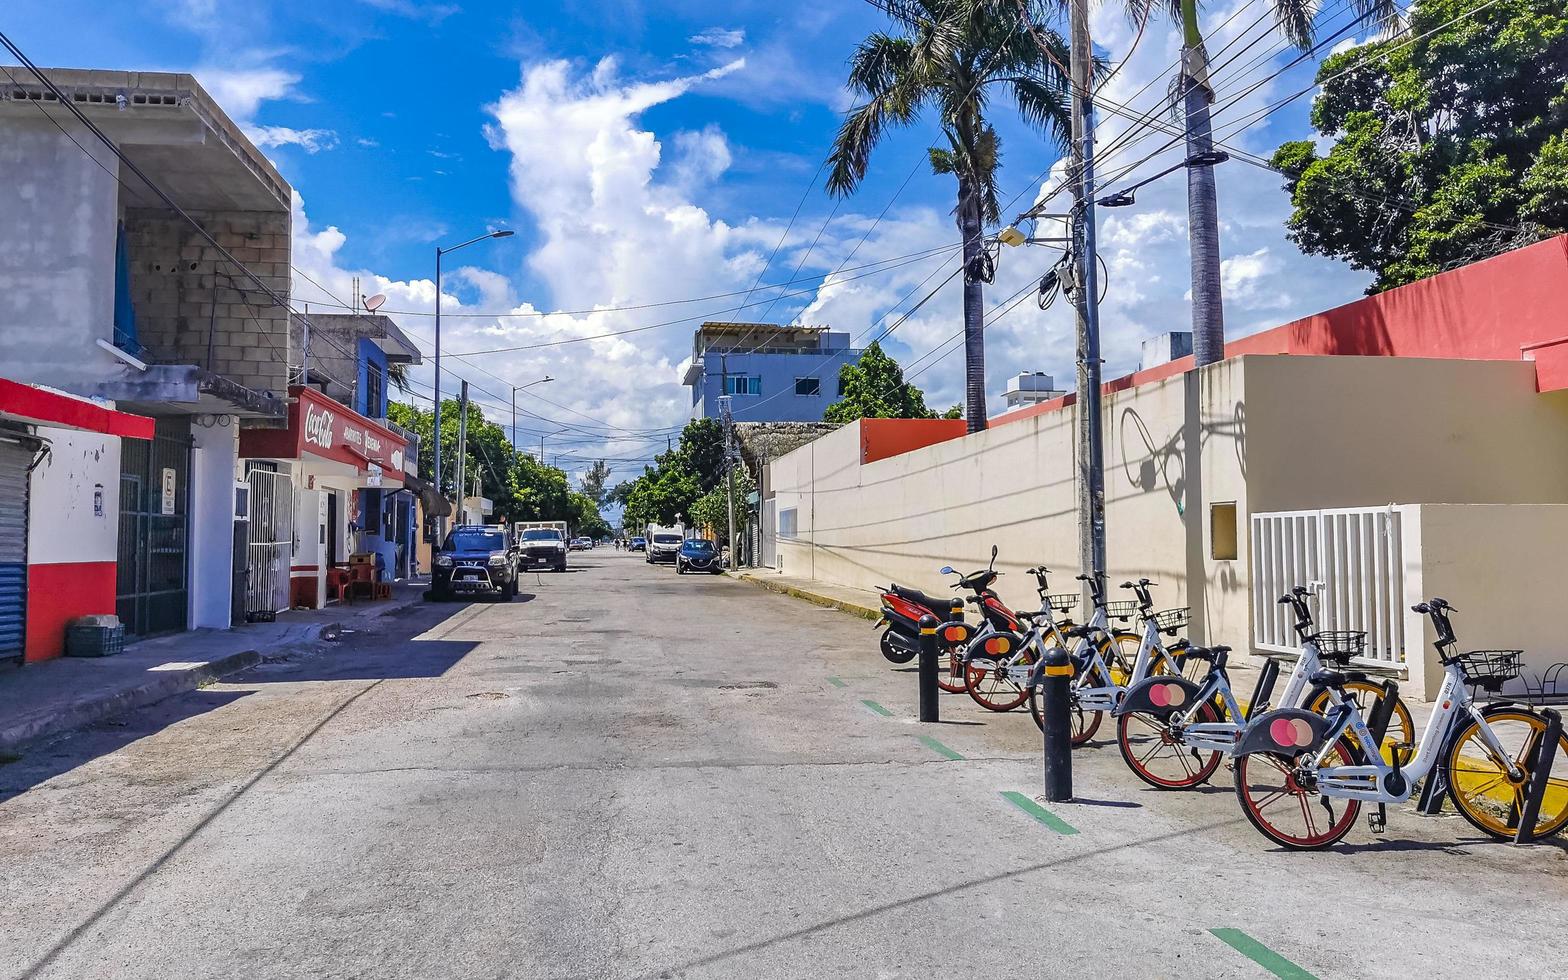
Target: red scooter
[{"x": 902, "y": 608}]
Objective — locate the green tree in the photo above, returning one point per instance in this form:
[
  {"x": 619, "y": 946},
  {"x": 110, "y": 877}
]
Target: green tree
[
  {"x": 1448, "y": 148},
  {"x": 680, "y": 476},
  {"x": 712, "y": 508},
  {"x": 874, "y": 388},
  {"x": 593, "y": 481},
  {"x": 946, "y": 57}
]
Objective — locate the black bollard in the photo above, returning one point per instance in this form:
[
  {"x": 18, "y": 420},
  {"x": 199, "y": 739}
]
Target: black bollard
[
  {"x": 928, "y": 668},
  {"x": 955, "y": 664},
  {"x": 1056, "y": 674}
]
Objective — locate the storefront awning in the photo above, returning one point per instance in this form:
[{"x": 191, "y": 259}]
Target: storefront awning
[
  {"x": 326, "y": 429},
  {"x": 41, "y": 406},
  {"x": 435, "y": 505}
]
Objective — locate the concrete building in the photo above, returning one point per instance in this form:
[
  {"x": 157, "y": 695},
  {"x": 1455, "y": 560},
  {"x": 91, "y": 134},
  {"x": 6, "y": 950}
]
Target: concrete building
[
  {"x": 774, "y": 373},
  {"x": 59, "y": 510},
  {"x": 106, "y": 292},
  {"x": 1411, "y": 444},
  {"x": 1031, "y": 388},
  {"x": 1167, "y": 347}
]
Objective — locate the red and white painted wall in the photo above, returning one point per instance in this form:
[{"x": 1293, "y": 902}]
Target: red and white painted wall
[{"x": 72, "y": 531}]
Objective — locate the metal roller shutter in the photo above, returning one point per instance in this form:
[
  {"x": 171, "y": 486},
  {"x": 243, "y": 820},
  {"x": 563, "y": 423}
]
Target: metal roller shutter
[{"x": 14, "y": 460}]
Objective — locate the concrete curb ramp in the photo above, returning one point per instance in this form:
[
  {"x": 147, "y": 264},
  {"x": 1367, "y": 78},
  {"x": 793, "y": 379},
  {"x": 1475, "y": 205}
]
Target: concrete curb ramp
[{"x": 842, "y": 605}]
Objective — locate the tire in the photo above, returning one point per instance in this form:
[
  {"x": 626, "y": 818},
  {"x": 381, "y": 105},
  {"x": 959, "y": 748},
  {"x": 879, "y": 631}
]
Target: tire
[
  {"x": 1081, "y": 724},
  {"x": 1480, "y": 787},
  {"x": 561, "y": 567},
  {"x": 895, "y": 654},
  {"x": 1401, "y": 734},
  {"x": 680, "y": 569},
  {"x": 992, "y": 690},
  {"x": 1184, "y": 768},
  {"x": 1264, "y": 782},
  {"x": 951, "y": 679}
]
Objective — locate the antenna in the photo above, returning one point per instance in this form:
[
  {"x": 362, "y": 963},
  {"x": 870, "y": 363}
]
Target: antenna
[{"x": 373, "y": 303}]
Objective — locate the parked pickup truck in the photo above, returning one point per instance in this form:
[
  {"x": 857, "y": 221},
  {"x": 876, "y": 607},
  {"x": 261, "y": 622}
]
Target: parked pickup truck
[
  {"x": 541, "y": 544},
  {"x": 475, "y": 559}
]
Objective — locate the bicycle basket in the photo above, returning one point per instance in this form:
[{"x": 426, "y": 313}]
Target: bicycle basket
[
  {"x": 1340, "y": 644},
  {"x": 1489, "y": 669},
  {"x": 1062, "y": 602},
  {"x": 1171, "y": 620},
  {"x": 1122, "y": 609}
]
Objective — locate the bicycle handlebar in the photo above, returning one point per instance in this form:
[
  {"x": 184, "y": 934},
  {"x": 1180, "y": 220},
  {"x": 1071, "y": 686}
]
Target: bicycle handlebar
[
  {"x": 1438, "y": 610},
  {"x": 1297, "y": 600}
]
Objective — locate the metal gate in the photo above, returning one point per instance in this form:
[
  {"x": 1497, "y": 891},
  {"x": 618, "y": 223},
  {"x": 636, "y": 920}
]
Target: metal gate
[
  {"x": 153, "y": 576},
  {"x": 269, "y": 550},
  {"x": 1351, "y": 557},
  {"x": 770, "y": 533},
  {"x": 15, "y": 457}
]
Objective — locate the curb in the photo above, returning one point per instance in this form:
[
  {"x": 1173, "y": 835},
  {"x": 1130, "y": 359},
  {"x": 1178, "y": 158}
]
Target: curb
[
  {"x": 842, "y": 605},
  {"x": 90, "y": 710}
]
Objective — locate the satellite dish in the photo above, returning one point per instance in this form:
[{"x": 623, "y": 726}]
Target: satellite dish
[{"x": 373, "y": 303}]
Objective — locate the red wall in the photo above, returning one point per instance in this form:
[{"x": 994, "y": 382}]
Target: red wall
[
  {"x": 1488, "y": 311},
  {"x": 57, "y": 594},
  {"x": 881, "y": 438}
]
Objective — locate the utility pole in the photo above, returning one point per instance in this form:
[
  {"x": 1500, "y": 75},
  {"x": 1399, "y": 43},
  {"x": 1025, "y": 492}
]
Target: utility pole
[
  {"x": 729, "y": 467},
  {"x": 304, "y": 371},
  {"x": 462, "y": 445},
  {"x": 514, "y": 420},
  {"x": 1091, "y": 462}
]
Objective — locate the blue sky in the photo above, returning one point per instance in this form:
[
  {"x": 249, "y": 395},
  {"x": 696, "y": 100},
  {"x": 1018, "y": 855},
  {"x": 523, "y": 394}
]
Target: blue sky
[{"x": 651, "y": 152}]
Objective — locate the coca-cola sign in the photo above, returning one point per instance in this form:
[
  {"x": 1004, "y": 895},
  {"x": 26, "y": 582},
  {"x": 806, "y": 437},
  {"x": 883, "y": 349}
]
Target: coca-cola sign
[
  {"x": 318, "y": 429},
  {"x": 319, "y": 426}
]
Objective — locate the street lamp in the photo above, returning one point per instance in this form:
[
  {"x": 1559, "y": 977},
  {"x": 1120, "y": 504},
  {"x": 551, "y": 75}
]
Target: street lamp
[
  {"x": 1127, "y": 196},
  {"x": 515, "y": 390},
  {"x": 441, "y": 521}
]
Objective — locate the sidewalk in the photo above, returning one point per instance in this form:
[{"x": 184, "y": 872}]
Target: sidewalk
[
  {"x": 856, "y": 602},
  {"x": 42, "y": 699}
]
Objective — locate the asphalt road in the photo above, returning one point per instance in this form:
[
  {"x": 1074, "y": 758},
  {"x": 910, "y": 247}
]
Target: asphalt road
[{"x": 626, "y": 773}]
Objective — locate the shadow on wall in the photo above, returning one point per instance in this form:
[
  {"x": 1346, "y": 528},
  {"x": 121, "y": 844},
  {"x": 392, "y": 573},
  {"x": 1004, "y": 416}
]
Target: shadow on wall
[{"x": 1164, "y": 464}]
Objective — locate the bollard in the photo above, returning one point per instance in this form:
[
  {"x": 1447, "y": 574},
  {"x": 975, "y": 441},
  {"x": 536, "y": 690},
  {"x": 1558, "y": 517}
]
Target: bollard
[
  {"x": 955, "y": 663},
  {"x": 1056, "y": 675},
  {"x": 928, "y": 668}
]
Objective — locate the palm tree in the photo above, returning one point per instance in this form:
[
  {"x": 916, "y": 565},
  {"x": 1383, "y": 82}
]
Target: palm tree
[
  {"x": 946, "y": 56},
  {"x": 1294, "y": 19}
]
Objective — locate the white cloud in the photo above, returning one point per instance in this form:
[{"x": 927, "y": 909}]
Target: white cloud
[
  {"x": 432, "y": 12},
  {"x": 719, "y": 37},
  {"x": 309, "y": 140},
  {"x": 240, "y": 92},
  {"x": 367, "y": 142}
]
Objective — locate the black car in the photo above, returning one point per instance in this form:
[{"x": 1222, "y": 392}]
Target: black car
[
  {"x": 543, "y": 546},
  {"x": 698, "y": 555},
  {"x": 475, "y": 560}
]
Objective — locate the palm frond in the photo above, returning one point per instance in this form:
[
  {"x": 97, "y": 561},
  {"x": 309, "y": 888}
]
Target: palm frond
[
  {"x": 1295, "y": 19},
  {"x": 1045, "y": 108},
  {"x": 879, "y": 63}
]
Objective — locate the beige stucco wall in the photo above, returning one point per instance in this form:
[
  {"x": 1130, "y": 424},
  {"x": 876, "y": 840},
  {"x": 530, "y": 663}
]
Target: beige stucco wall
[
  {"x": 1015, "y": 486},
  {"x": 1501, "y": 565}
]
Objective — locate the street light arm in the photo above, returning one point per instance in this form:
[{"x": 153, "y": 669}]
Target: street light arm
[{"x": 493, "y": 234}]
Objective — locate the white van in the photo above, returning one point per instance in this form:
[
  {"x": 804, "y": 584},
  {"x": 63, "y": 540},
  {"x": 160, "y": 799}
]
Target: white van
[{"x": 664, "y": 543}]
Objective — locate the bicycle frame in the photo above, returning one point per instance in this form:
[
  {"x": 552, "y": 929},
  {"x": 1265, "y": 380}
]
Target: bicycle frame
[
  {"x": 1371, "y": 783},
  {"x": 1106, "y": 695}
]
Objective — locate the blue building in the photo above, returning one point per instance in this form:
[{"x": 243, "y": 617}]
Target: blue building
[{"x": 773, "y": 373}]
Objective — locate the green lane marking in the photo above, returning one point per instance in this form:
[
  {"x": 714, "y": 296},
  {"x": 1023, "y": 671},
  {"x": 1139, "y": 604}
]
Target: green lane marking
[
  {"x": 1261, "y": 954},
  {"x": 837, "y": 682},
  {"x": 939, "y": 748},
  {"x": 1039, "y": 812},
  {"x": 878, "y": 709}
]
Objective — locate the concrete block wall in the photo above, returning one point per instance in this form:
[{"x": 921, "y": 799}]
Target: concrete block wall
[{"x": 183, "y": 290}]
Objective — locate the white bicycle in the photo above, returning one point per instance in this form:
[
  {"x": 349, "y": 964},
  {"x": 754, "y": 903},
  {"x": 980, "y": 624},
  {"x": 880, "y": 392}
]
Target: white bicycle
[
  {"x": 1174, "y": 732},
  {"x": 1302, "y": 777}
]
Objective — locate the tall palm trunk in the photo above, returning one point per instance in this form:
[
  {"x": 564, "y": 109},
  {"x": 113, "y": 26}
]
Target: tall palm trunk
[
  {"x": 974, "y": 305},
  {"x": 1203, "y": 219}
]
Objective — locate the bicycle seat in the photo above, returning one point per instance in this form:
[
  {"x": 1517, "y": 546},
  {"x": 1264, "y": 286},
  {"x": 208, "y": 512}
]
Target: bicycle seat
[
  {"x": 1338, "y": 678},
  {"x": 1210, "y": 655}
]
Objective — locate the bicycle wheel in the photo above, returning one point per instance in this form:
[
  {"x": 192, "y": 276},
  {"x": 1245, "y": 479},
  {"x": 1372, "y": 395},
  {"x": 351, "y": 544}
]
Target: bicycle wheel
[
  {"x": 993, "y": 690},
  {"x": 1121, "y": 655},
  {"x": 1154, "y": 755},
  {"x": 1478, "y": 781},
  {"x": 1081, "y": 723},
  {"x": 950, "y": 676},
  {"x": 1401, "y": 734},
  {"x": 1286, "y": 812}
]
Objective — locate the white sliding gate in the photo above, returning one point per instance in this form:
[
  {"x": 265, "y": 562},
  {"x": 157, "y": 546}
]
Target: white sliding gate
[{"x": 1351, "y": 557}]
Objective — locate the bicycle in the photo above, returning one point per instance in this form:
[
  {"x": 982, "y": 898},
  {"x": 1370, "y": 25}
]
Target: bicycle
[
  {"x": 1173, "y": 733},
  {"x": 1291, "y": 761}
]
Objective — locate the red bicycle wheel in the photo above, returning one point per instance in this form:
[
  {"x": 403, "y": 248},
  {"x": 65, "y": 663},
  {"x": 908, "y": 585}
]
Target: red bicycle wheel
[
  {"x": 993, "y": 689},
  {"x": 950, "y": 677},
  {"x": 1285, "y": 811},
  {"x": 1154, "y": 755},
  {"x": 1081, "y": 723}
]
